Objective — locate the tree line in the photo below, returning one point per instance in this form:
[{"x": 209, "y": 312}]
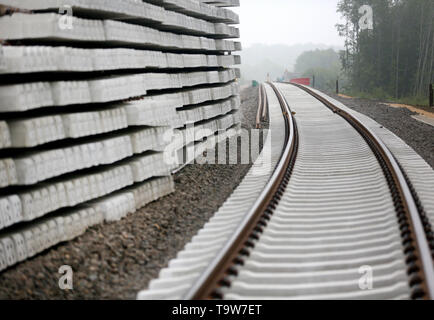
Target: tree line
[
  {"x": 395, "y": 57},
  {"x": 322, "y": 66}
]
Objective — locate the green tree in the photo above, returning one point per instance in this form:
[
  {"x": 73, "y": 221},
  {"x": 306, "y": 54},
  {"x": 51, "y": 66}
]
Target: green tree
[
  {"x": 324, "y": 65},
  {"x": 395, "y": 58}
]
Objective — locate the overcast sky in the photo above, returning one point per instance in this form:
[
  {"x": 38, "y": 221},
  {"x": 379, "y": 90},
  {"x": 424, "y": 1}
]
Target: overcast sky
[{"x": 289, "y": 22}]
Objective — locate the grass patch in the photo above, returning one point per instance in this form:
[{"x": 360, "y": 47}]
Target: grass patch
[
  {"x": 414, "y": 101},
  {"x": 383, "y": 96}
]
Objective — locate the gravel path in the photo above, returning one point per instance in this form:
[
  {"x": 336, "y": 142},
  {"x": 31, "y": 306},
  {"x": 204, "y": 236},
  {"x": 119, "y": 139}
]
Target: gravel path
[
  {"x": 418, "y": 135},
  {"x": 116, "y": 260}
]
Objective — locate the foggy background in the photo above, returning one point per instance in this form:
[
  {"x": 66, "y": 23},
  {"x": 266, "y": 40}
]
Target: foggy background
[
  {"x": 289, "y": 22},
  {"x": 274, "y": 33}
]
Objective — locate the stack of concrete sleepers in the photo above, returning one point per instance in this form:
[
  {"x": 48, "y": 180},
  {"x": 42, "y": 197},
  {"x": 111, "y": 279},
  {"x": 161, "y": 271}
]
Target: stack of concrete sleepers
[{"x": 92, "y": 95}]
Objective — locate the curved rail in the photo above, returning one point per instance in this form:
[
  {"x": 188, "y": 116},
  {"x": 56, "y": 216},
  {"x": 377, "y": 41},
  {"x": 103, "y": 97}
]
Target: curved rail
[
  {"x": 418, "y": 258},
  {"x": 262, "y": 107},
  {"x": 209, "y": 282},
  {"x": 415, "y": 242},
  {"x": 265, "y": 107}
]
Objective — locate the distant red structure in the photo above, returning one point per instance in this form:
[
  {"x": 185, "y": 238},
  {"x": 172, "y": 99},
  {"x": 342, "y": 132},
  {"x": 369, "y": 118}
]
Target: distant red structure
[{"x": 304, "y": 81}]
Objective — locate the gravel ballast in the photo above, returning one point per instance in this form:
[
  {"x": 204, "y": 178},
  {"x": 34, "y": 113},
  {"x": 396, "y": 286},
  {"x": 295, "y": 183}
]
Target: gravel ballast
[
  {"x": 418, "y": 135},
  {"x": 116, "y": 260}
]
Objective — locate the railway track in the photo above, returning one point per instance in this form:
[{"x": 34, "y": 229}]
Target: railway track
[
  {"x": 262, "y": 107},
  {"x": 338, "y": 218}
]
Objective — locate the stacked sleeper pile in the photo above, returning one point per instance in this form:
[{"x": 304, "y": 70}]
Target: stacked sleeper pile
[{"x": 95, "y": 107}]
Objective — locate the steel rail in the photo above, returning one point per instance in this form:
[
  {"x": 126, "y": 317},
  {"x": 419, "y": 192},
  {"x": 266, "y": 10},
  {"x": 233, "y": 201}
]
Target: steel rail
[
  {"x": 260, "y": 106},
  {"x": 214, "y": 276},
  {"x": 419, "y": 257},
  {"x": 265, "y": 107},
  {"x": 415, "y": 245}
]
